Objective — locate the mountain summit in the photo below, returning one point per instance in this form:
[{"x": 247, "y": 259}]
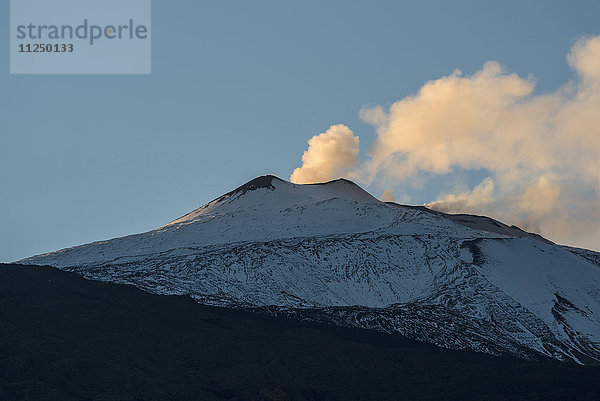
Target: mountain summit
[
  {"x": 332, "y": 252},
  {"x": 267, "y": 192}
]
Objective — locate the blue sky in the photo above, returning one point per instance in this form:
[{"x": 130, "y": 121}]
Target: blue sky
[{"x": 236, "y": 90}]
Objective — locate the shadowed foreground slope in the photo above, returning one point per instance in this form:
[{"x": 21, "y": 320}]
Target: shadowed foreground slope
[{"x": 64, "y": 337}]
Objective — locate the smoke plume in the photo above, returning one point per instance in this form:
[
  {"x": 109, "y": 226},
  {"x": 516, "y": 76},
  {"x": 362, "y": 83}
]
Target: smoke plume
[
  {"x": 330, "y": 155},
  {"x": 388, "y": 196},
  {"x": 541, "y": 151}
]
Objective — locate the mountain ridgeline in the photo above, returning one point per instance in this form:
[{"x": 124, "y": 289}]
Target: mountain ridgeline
[{"x": 333, "y": 253}]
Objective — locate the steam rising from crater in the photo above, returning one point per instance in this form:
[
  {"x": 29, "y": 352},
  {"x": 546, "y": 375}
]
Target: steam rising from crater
[{"x": 541, "y": 151}]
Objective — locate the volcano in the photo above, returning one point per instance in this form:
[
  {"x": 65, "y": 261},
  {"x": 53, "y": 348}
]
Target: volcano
[{"x": 333, "y": 253}]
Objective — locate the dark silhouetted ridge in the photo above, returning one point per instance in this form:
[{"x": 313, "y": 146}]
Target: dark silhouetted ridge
[{"x": 66, "y": 338}]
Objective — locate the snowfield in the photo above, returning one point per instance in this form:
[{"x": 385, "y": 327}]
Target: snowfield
[{"x": 332, "y": 252}]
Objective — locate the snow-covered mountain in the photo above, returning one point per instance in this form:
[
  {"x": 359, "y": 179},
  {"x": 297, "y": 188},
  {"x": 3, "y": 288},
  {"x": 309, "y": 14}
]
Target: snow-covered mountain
[{"x": 332, "y": 252}]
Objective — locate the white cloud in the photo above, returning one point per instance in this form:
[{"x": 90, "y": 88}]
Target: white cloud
[{"x": 542, "y": 151}]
